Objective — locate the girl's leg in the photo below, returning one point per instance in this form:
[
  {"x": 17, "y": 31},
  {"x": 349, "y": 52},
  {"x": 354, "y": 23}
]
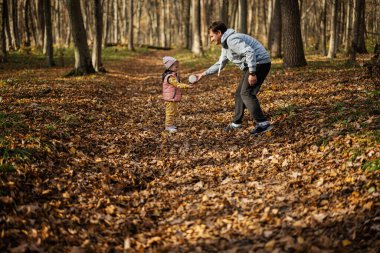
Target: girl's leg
[{"x": 171, "y": 112}]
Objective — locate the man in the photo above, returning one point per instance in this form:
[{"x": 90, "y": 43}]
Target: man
[{"x": 252, "y": 58}]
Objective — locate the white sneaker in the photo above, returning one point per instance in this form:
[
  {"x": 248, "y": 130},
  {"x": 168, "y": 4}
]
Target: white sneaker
[
  {"x": 232, "y": 126},
  {"x": 171, "y": 129}
]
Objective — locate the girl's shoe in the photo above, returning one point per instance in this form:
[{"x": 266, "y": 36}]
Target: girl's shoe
[{"x": 171, "y": 129}]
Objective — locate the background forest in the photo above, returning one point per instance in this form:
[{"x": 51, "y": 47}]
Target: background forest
[
  {"x": 85, "y": 163},
  {"x": 327, "y": 26}
]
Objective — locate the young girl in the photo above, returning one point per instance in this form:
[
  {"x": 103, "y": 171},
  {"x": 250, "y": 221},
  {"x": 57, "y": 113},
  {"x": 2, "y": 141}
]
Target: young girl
[{"x": 171, "y": 91}]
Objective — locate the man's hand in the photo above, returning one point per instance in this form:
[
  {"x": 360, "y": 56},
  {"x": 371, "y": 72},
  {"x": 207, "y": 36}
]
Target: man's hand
[
  {"x": 252, "y": 79},
  {"x": 199, "y": 76}
]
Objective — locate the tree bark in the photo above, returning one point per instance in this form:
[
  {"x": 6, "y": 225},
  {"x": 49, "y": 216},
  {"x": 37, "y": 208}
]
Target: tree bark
[
  {"x": 26, "y": 20},
  {"x": 16, "y": 33},
  {"x": 274, "y": 38},
  {"x": 243, "y": 16},
  {"x": 130, "y": 30},
  {"x": 348, "y": 26},
  {"x": 3, "y": 49},
  {"x": 97, "y": 47},
  {"x": 362, "y": 29},
  {"x": 333, "y": 30},
  {"x": 106, "y": 5},
  {"x": 41, "y": 24},
  {"x": 291, "y": 35},
  {"x": 187, "y": 23},
  {"x": 204, "y": 25},
  {"x": 224, "y": 12},
  {"x": 6, "y": 24},
  {"x": 324, "y": 28},
  {"x": 115, "y": 22},
  {"x": 83, "y": 64},
  {"x": 48, "y": 34},
  {"x": 195, "y": 15}
]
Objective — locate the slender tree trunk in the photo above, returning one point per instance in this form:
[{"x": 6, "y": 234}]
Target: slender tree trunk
[
  {"x": 333, "y": 30},
  {"x": 362, "y": 29},
  {"x": 359, "y": 4},
  {"x": 130, "y": 30},
  {"x": 3, "y": 49},
  {"x": 257, "y": 17},
  {"x": 83, "y": 64},
  {"x": 97, "y": 48},
  {"x": 26, "y": 20},
  {"x": 41, "y": 24},
  {"x": 115, "y": 22},
  {"x": 16, "y": 33},
  {"x": 243, "y": 15},
  {"x": 48, "y": 33},
  {"x": 291, "y": 35},
  {"x": 195, "y": 15},
  {"x": 324, "y": 28},
  {"x": 6, "y": 23},
  {"x": 204, "y": 25},
  {"x": 33, "y": 16},
  {"x": 106, "y": 5},
  {"x": 224, "y": 11},
  {"x": 187, "y": 25},
  {"x": 138, "y": 23},
  {"x": 348, "y": 26},
  {"x": 274, "y": 38}
]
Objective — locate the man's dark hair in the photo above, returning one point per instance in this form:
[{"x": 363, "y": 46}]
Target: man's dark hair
[{"x": 217, "y": 26}]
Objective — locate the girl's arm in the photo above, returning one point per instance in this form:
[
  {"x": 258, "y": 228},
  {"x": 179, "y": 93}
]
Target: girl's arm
[{"x": 173, "y": 81}]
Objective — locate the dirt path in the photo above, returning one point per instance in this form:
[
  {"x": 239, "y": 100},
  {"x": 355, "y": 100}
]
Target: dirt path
[{"x": 105, "y": 177}]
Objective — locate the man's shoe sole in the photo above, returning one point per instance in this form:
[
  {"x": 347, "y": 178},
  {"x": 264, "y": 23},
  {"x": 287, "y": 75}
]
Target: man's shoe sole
[{"x": 266, "y": 130}]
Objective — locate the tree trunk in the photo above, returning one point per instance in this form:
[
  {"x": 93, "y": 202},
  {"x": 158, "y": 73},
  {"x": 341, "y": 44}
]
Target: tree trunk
[
  {"x": 27, "y": 28},
  {"x": 324, "y": 28},
  {"x": 274, "y": 38},
  {"x": 6, "y": 23},
  {"x": 41, "y": 24},
  {"x": 3, "y": 49},
  {"x": 115, "y": 22},
  {"x": 48, "y": 33},
  {"x": 291, "y": 35},
  {"x": 16, "y": 33},
  {"x": 359, "y": 5},
  {"x": 106, "y": 5},
  {"x": 187, "y": 31},
  {"x": 224, "y": 12},
  {"x": 83, "y": 64},
  {"x": 138, "y": 23},
  {"x": 348, "y": 26},
  {"x": 361, "y": 39},
  {"x": 204, "y": 25},
  {"x": 195, "y": 15},
  {"x": 130, "y": 30},
  {"x": 333, "y": 30},
  {"x": 97, "y": 47},
  {"x": 243, "y": 16},
  {"x": 33, "y": 16}
]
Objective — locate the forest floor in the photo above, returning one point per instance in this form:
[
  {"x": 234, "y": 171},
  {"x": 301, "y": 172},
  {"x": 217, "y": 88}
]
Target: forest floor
[{"x": 86, "y": 167}]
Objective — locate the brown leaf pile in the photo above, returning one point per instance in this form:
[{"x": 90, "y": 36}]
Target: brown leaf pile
[{"x": 86, "y": 166}]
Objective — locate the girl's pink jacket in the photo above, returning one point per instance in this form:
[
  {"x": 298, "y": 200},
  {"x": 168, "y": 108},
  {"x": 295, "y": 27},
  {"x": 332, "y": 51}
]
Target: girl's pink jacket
[{"x": 170, "y": 92}]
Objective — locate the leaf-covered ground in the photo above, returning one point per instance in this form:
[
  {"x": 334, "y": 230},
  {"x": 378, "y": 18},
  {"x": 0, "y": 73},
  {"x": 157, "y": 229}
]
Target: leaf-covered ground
[{"x": 86, "y": 167}]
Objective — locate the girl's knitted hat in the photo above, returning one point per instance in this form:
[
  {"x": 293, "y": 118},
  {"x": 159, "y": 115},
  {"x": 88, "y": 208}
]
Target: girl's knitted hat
[{"x": 168, "y": 61}]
